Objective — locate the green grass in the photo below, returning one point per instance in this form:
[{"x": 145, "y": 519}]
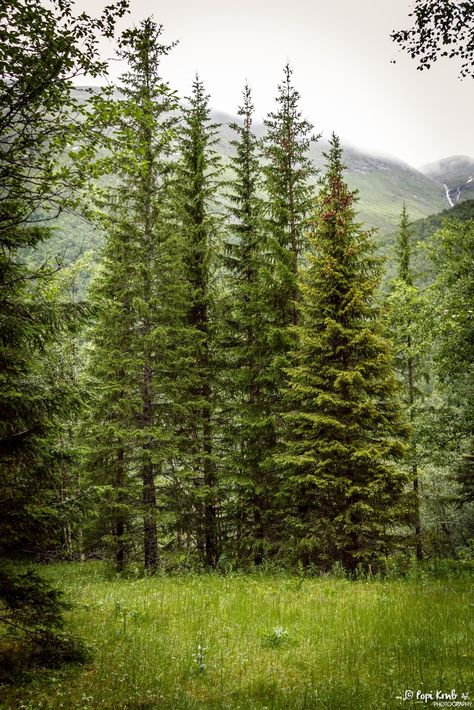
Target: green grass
[{"x": 256, "y": 641}]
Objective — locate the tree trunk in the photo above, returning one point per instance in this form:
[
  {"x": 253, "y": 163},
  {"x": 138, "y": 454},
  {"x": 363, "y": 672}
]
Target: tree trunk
[
  {"x": 416, "y": 487},
  {"x": 418, "y": 542},
  {"x": 120, "y": 523},
  {"x": 150, "y": 540},
  {"x": 210, "y": 517}
]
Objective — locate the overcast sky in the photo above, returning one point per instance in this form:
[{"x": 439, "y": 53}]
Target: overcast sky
[{"x": 340, "y": 51}]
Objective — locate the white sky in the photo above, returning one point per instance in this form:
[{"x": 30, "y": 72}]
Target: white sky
[{"x": 340, "y": 51}]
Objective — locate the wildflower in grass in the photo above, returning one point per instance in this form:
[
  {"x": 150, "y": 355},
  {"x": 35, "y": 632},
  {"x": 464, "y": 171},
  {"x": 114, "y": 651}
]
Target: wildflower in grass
[
  {"x": 276, "y": 637},
  {"x": 199, "y": 658}
]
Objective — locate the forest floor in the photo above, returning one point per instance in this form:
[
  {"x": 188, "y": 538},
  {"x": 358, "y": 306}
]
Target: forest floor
[{"x": 260, "y": 641}]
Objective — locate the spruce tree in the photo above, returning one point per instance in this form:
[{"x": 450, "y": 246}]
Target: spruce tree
[
  {"x": 33, "y": 405},
  {"x": 246, "y": 346},
  {"x": 287, "y": 172},
  {"x": 110, "y": 419},
  {"x": 405, "y": 306},
  {"x": 404, "y": 248},
  {"x": 139, "y": 290},
  {"x": 60, "y": 368},
  {"x": 344, "y": 426},
  {"x": 195, "y": 194}
]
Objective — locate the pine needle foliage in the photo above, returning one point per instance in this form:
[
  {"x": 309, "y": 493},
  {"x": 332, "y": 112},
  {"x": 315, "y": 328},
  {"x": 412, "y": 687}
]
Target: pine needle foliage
[
  {"x": 405, "y": 306},
  {"x": 246, "y": 350},
  {"x": 287, "y": 173},
  {"x": 452, "y": 301},
  {"x": 404, "y": 248},
  {"x": 134, "y": 359},
  {"x": 195, "y": 193},
  {"x": 344, "y": 428}
]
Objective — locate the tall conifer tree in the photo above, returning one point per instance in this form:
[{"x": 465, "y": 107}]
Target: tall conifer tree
[
  {"x": 344, "y": 423},
  {"x": 246, "y": 352},
  {"x": 452, "y": 304},
  {"x": 108, "y": 426},
  {"x": 405, "y": 307},
  {"x": 196, "y": 185},
  {"x": 287, "y": 172},
  {"x": 136, "y": 342},
  {"x": 42, "y": 49}
]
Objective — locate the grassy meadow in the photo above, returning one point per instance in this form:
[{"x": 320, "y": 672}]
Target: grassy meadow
[{"x": 257, "y": 641}]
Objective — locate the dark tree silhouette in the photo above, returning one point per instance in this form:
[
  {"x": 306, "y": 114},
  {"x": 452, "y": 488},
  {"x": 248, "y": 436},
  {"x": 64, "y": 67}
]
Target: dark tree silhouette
[{"x": 442, "y": 28}]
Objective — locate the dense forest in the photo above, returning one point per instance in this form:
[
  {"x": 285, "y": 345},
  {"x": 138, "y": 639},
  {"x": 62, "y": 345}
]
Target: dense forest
[{"x": 236, "y": 379}]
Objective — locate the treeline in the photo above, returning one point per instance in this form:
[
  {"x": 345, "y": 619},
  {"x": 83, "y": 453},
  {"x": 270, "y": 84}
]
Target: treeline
[
  {"x": 240, "y": 380},
  {"x": 243, "y": 401},
  {"x": 236, "y": 391}
]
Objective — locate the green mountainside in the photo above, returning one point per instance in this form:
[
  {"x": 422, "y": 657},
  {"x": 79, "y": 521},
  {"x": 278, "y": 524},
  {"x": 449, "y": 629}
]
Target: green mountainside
[
  {"x": 423, "y": 229},
  {"x": 384, "y": 183}
]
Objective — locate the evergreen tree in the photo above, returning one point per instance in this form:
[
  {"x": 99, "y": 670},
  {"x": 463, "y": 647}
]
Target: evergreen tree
[
  {"x": 287, "y": 171},
  {"x": 109, "y": 450},
  {"x": 246, "y": 347},
  {"x": 33, "y": 404},
  {"x": 344, "y": 422},
  {"x": 195, "y": 193},
  {"x": 405, "y": 307},
  {"x": 134, "y": 362},
  {"x": 42, "y": 50},
  {"x": 59, "y": 367}
]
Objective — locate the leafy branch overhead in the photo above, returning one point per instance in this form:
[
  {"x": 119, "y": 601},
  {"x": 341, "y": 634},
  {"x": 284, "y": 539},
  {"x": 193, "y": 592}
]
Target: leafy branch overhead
[
  {"x": 41, "y": 50},
  {"x": 441, "y": 29}
]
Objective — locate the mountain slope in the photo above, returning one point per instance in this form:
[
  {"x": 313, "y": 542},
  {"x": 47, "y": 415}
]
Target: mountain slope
[
  {"x": 384, "y": 183},
  {"x": 455, "y": 174}
]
